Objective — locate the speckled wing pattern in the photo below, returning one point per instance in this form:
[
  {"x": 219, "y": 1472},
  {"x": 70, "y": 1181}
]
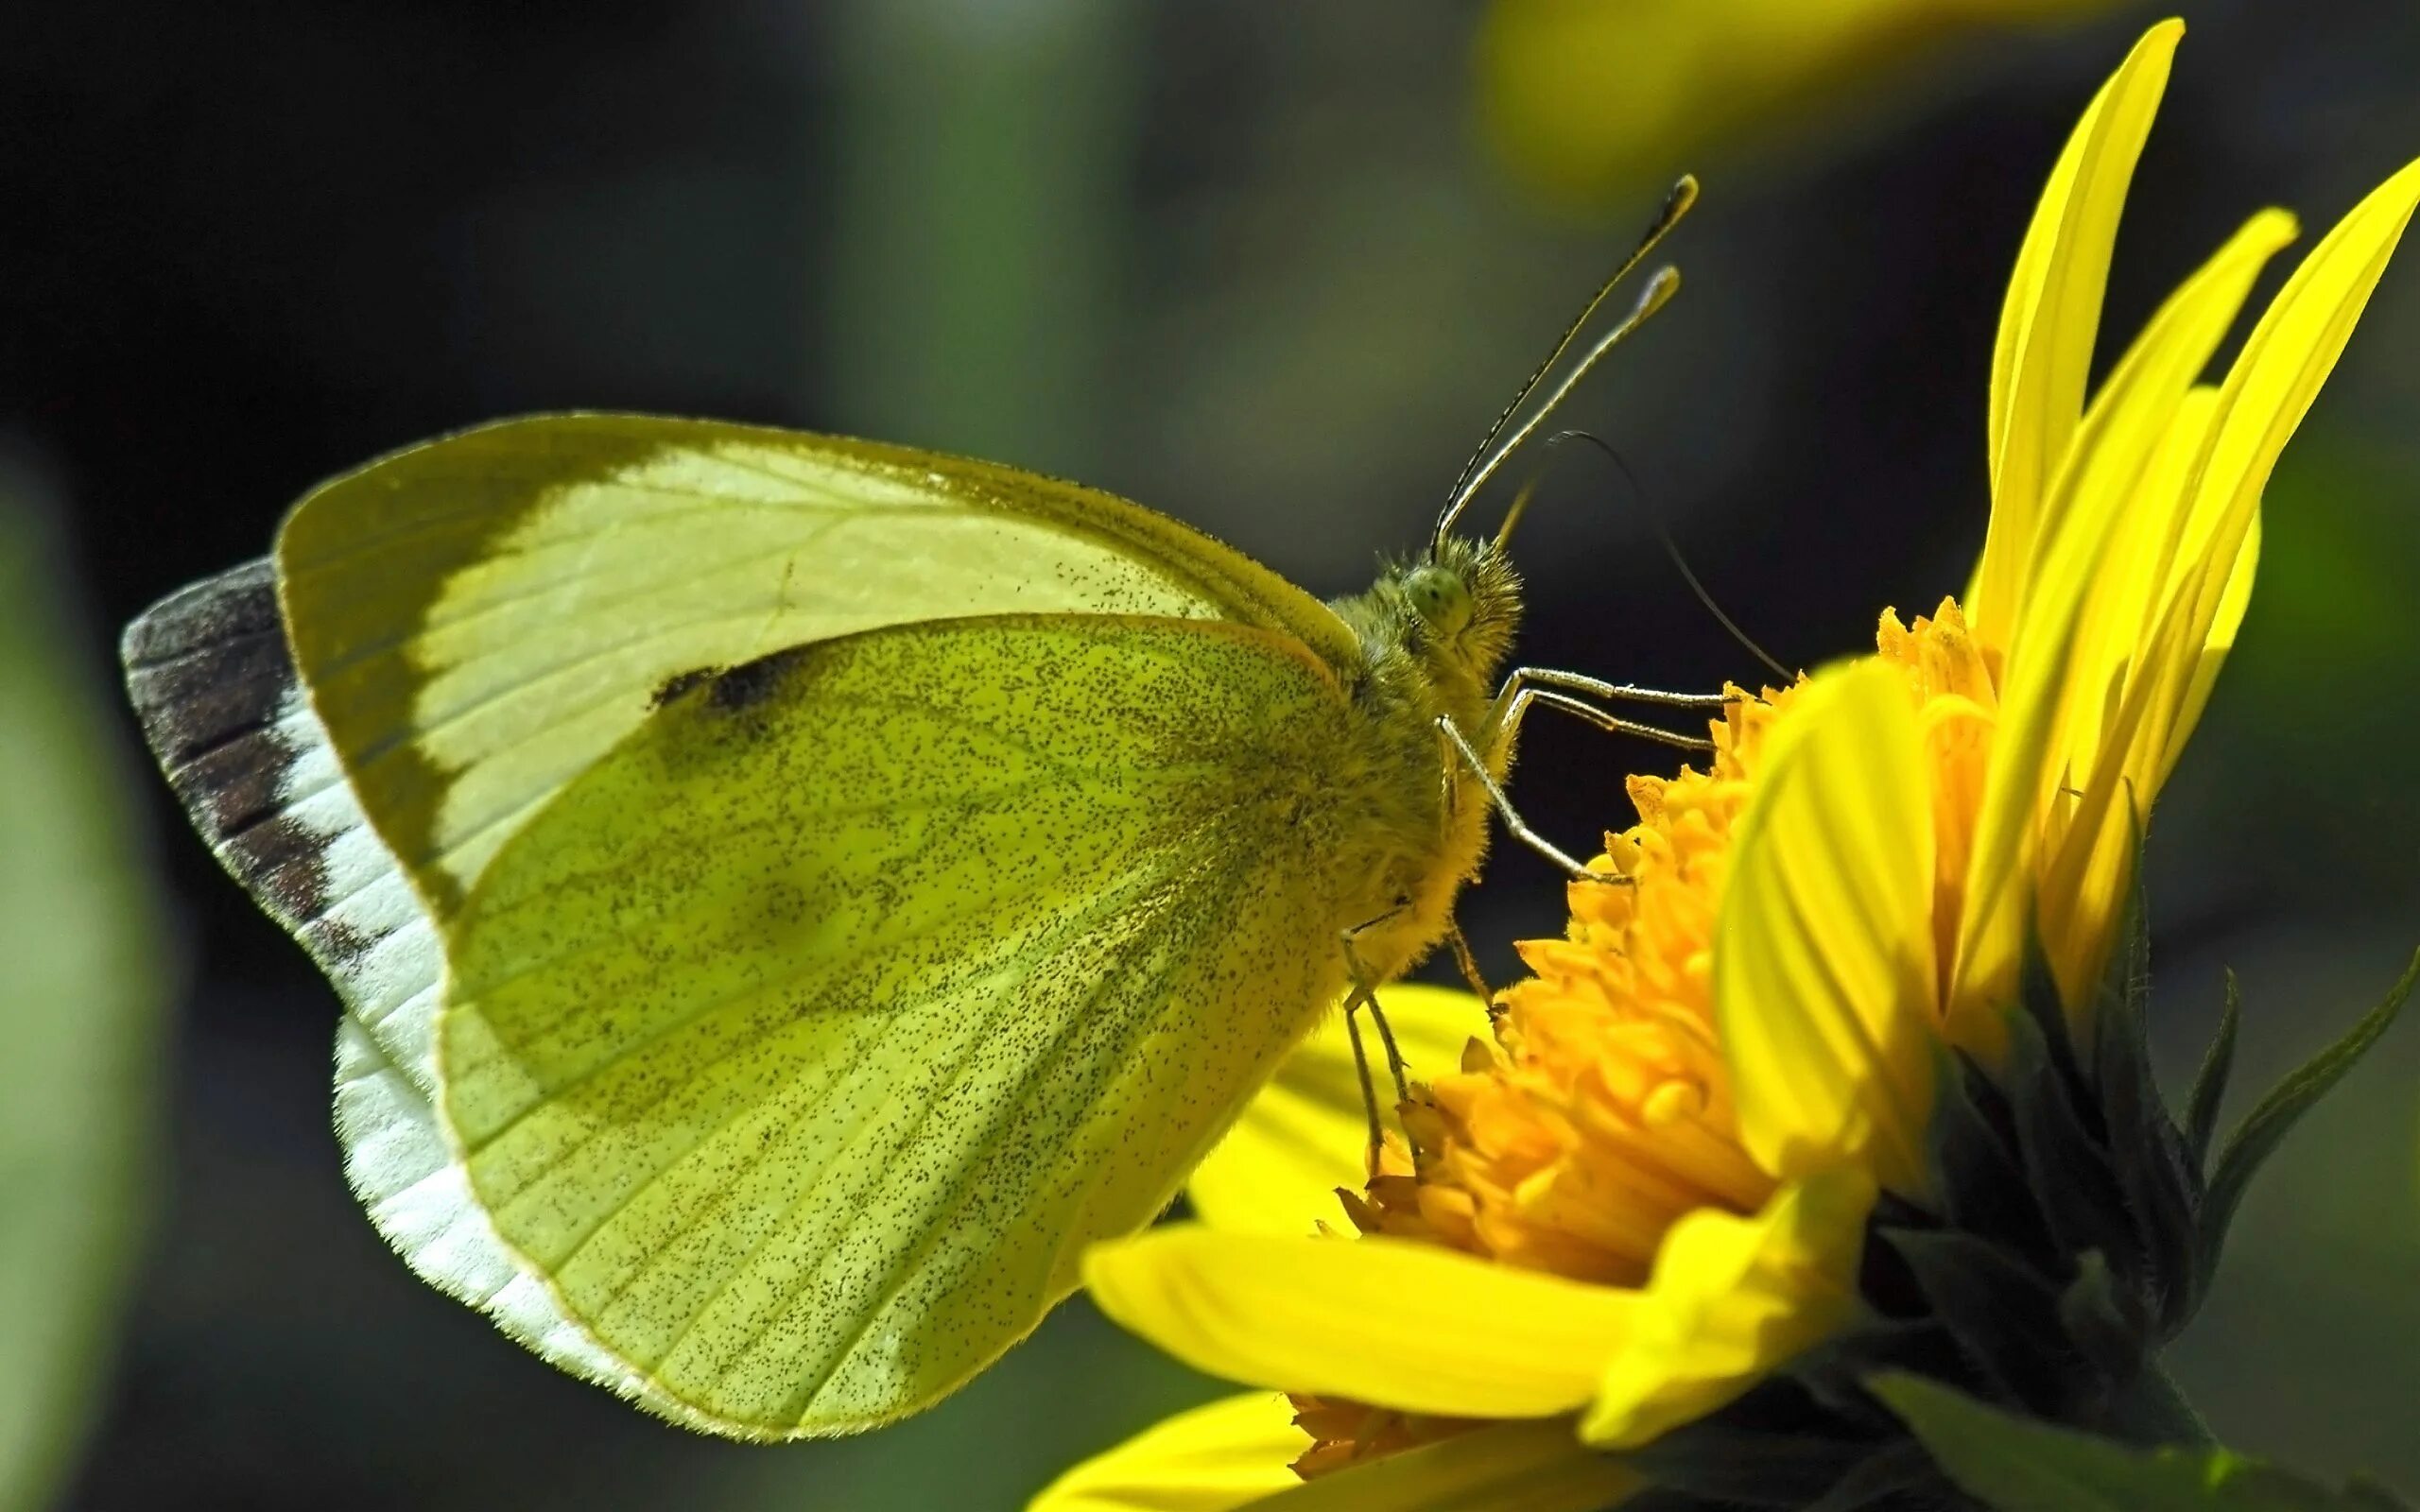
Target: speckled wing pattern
[
  {"x": 447, "y": 636},
  {"x": 804, "y": 1040}
]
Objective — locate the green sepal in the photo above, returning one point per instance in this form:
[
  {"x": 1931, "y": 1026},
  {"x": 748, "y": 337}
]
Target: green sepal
[
  {"x": 2003, "y": 1314},
  {"x": 1833, "y": 1373},
  {"x": 2038, "y": 1002},
  {"x": 1737, "y": 1464},
  {"x": 2210, "y": 1082},
  {"x": 1899, "y": 1476},
  {"x": 1809, "y": 1437},
  {"x": 2067, "y": 1164},
  {"x": 2160, "y": 1184},
  {"x": 2013, "y": 1465},
  {"x": 2067, "y": 1235},
  {"x": 2102, "y": 1319},
  {"x": 1977, "y": 1175},
  {"x": 2258, "y": 1137}
]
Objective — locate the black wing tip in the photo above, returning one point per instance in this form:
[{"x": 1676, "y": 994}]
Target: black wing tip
[
  {"x": 207, "y": 667},
  {"x": 238, "y": 604}
]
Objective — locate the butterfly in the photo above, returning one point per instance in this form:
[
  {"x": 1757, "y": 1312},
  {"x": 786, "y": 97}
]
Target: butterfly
[{"x": 791, "y": 894}]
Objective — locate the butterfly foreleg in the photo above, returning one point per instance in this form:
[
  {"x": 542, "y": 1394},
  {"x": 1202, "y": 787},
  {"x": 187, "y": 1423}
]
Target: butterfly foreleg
[
  {"x": 1525, "y": 688},
  {"x": 1520, "y": 678},
  {"x": 1460, "y": 745}
]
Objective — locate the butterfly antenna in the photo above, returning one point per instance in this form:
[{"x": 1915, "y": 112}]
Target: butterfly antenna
[
  {"x": 1671, "y": 549},
  {"x": 1489, "y": 454}
]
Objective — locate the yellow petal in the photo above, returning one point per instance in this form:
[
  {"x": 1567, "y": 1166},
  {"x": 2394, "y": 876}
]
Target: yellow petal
[
  {"x": 1305, "y": 1134},
  {"x": 2125, "y": 466},
  {"x": 2122, "y": 493},
  {"x": 1515, "y": 1467},
  {"x": 2119, "y": 510},
  {"x": 2120, "y": 599},
  {"x": 1395, "y": 1323},
  {"x": 2044, "y": 352},
  {"x": 1823, "y": 959},
  {"x": 2215, "y": 647},
  {"x": 1731, "y": 1299},
  {"x": 2083, "y": 862},
  {"x": 1229, "y": 1454},
  {"x": 2274, "y": 379},
  {"x": 2283, "y": 364}
]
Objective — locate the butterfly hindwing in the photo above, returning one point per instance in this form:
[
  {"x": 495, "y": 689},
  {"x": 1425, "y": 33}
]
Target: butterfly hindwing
[{"x": 803, "y": 1041}]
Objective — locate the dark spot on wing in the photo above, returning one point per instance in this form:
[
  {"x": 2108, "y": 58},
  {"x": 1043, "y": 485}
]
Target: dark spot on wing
[
  {"x": 681, "y": 682},
  {"x": 752, "y": 683}
]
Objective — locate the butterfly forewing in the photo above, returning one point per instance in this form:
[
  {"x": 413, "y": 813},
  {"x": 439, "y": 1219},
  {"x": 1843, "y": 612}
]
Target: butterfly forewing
[{"x": 479, "y": 618}]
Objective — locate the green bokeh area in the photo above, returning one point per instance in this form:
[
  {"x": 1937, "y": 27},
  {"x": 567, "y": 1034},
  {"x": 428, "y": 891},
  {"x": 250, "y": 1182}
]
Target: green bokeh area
[
  {"x": 1250, "y": 266},
  {"x": 80, "y": 1024},
  {"x": 2287, "y": 851}
]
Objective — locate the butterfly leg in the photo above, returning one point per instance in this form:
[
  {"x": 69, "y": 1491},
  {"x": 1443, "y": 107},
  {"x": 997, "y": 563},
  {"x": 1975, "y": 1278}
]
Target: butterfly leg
[
  {"x": 1535, "y": 687},
  {"x": 1526, "y": 688},
  {"x": 1368, "y": 1093},
  {"x": 1467, "y": 962},
  {"x": 1512, "y": 821},
  {"x": 1520, "y": 678},
  {"x": 1365, "y": 995}
]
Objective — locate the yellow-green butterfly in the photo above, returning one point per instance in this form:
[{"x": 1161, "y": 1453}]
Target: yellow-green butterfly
[{"x": 790, "y": 894}]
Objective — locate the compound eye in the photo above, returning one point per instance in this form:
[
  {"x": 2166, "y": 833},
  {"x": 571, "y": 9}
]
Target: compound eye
[{"x": 1442, "y": 598}]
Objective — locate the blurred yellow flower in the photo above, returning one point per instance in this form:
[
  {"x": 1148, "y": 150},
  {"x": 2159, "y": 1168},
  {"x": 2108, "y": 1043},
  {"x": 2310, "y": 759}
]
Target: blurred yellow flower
[
  {"x": 1648, "y": 1188},
  {"x": 1580, "y": 98}
]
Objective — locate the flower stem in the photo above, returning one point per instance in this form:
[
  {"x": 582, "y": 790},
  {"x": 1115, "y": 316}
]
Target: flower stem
[{"x": 2149, "y": 1409}]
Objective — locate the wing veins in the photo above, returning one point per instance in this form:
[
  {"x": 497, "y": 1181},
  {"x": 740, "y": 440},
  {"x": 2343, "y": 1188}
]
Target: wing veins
[
  {"x": 215, "y": 647},
  {"x": 893, "y": 1021},
  {"x": 416, "y": 734},
  {"x": 1000, "y": 1002},
  {"x": 330, "y": 906},
  {"x": 712, "y": 1006},
  {"x": 946, "y": 714},
  {"x": 270, "y": 725},
  {"x": 889, "y": 942},
  {"x": 437, "y": 522},
  {"x": 819, "y": 504},
  {"x": 963, "y": 1192},
  {"x": 556, "y": 583}
]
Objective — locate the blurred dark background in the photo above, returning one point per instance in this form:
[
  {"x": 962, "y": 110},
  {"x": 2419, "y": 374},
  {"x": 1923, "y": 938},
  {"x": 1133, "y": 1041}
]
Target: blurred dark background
[{"x": 1271, "y": 269}]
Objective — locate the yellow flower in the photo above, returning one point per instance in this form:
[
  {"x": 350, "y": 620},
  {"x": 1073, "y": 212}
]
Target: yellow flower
[
  {"x": 1648, "y": 1187},
  {"x": 1581, "y": 97}
]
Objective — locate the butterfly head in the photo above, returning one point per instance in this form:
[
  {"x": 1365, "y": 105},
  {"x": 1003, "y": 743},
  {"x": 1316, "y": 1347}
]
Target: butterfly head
[{"x": 1456, "y": 607}]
